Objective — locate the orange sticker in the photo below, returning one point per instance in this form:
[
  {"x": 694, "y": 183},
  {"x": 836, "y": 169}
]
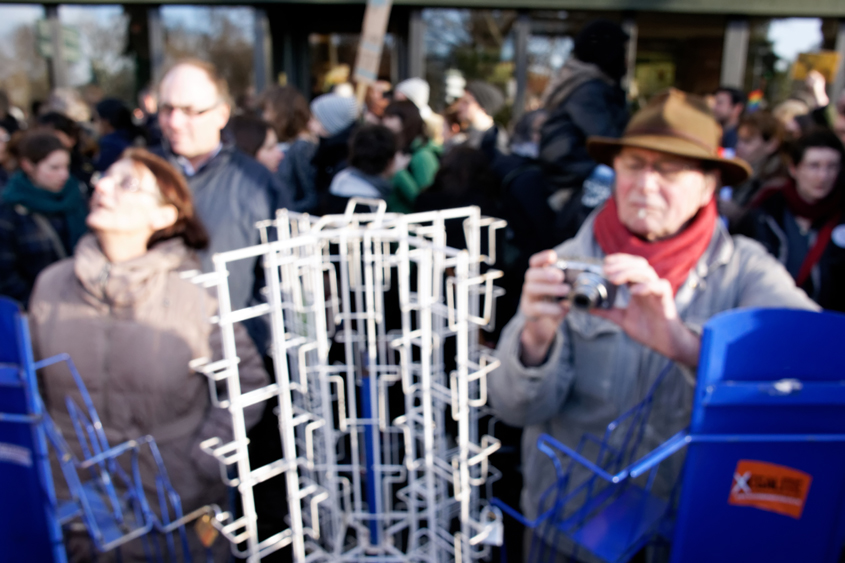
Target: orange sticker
[{"x": 770, "y": 487}]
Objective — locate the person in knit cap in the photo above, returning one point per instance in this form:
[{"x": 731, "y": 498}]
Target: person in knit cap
[
  {"x": 584, "y": 98},
  {"x": 333, "y": 120},
  {"x": 480, "y": 102},
  {"x": 418, "y": 91},
  {"x": 569, "y": 367}
]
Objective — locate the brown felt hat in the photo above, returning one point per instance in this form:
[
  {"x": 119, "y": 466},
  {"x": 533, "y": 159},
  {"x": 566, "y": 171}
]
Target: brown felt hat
[{"x": 676, "y": 123}]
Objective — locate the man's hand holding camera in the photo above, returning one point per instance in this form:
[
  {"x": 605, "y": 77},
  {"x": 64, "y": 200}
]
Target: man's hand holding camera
[
  {"x": 544, "y": 305},
  {"x": 650, "y": 317}
]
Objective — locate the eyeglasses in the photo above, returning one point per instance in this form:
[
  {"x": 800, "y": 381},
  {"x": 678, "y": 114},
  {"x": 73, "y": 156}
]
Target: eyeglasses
[
  {"x": 668, "y": 170},
  {"x": 167, "y": 110},
  {"x": 126, "y": 184}
]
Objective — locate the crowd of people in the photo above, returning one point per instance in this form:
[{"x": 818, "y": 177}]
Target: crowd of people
[{"x": 100, "y": 216}]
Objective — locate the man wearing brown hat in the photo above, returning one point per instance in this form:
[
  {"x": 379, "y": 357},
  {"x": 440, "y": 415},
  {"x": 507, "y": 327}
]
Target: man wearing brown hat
[{"x": 569, "y": 370}]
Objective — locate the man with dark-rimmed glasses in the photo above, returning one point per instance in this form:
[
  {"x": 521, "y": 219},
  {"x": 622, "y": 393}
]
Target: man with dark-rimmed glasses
[{"x": 231, "y": 190}]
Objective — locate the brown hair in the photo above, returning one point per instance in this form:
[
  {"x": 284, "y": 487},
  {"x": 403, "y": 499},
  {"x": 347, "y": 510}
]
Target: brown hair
[
  {"x": 249, "y": 133},
  {"x": 291, "y": 111},
  {"x": 413, "y": 126},
  {"x": 212, "y": 73},
  {"x": 764, "y": 123},
  {"x": 818, "y": 137},
  {"x": 174, "y": 191},
  {"x": 38, "y": 145}
]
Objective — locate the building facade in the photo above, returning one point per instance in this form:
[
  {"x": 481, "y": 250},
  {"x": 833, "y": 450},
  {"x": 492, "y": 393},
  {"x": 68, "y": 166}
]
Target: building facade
[{"x": 695, "y": 45}]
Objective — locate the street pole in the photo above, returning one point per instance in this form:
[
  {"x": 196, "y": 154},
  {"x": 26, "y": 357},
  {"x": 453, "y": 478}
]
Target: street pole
[{"x": 58, "y": 67}]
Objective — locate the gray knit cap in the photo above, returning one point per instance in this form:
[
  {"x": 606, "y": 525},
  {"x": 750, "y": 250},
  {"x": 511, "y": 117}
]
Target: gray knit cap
[
  {"x": 488, "y": 97},
  {"x": 334, "y": 112}
]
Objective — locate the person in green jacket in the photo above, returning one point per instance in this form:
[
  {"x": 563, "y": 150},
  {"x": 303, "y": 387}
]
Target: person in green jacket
[{"x": 415, "y": 149}]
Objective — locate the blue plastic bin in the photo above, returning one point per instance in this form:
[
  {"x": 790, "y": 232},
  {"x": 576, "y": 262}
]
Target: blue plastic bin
[{"x": 764, "y": 476}]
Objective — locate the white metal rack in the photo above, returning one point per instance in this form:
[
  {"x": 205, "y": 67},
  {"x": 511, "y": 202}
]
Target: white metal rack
[{"x": 380, "y": 384}]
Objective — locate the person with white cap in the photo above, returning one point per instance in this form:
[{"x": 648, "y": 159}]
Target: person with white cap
[
  {"x": 418, "y": 91},
  {"x": 333, "y": 120}
]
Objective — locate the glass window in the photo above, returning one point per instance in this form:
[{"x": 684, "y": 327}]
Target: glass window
[
  {"x": 464, "y": 45},
  {"x": 332, "y": 57},
  {"x": 220, "y": 34},
  {"x": 23, "y": 71},
  {"x": 95, "y": 47},
  {"x": 680, "y": 50}
]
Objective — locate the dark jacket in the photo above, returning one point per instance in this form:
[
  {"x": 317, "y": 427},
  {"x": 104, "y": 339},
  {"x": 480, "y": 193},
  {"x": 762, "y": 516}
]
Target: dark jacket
[
  {"x": 730, "y": 136},
  {"x": 331, "y": 157},
  {"x": 767, "y": 224},
  {"x": 231, "y": 193},
  {"x": 27, "y": 247},
  {"x": 37, "y": 228},
  {"x": 525, "y": 207},
  {"x": 296, "y": 173},
  {"x": 582, "y": 101}
]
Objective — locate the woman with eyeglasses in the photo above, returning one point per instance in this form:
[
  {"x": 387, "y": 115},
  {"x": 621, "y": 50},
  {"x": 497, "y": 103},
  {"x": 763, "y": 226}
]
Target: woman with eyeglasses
[
  {"x": 125, "y": 312},
  {"x": 42, "y": 214}
]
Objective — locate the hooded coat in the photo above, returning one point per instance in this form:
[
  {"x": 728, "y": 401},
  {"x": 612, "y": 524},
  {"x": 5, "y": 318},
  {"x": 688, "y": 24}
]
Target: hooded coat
[
  {"x": 131, "y": 329},
  {"x": 581, "y": 101}
]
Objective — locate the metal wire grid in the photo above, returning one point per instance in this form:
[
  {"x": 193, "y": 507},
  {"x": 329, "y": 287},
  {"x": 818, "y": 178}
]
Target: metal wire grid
[{"x": 382, "y": 454}]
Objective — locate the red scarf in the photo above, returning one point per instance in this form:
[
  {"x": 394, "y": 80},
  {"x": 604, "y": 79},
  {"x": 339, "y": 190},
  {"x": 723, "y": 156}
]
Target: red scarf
[
  {"x": 671, "y": 258},
  {"x": 828, "y": 208}
]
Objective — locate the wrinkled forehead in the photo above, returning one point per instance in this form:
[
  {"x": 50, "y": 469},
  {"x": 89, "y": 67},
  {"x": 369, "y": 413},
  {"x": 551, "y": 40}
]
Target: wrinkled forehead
[
  {"x": 188, "y": 86},
  {"x": 647, "y": 155}
]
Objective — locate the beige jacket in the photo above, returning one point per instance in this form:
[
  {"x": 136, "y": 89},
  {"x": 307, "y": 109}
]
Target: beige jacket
[{"x": 131, "y": 328}]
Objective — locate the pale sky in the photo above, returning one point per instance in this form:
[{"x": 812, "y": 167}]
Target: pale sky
[{"x": 792, "y": 36}]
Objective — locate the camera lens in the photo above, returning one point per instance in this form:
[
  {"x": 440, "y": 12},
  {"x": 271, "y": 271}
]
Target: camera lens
[
  {"x": 589, "y": 291},
  {"x": 586, "y": 298}
]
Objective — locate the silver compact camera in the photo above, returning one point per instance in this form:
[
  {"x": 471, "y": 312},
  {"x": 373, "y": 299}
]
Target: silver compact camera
[{"x": 590, "y": 289}]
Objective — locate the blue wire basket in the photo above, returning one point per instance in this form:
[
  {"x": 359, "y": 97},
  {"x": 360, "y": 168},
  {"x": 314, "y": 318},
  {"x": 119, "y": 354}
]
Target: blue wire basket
[
  {"x": 574, "y": 517},
  {"x": 106, "y": 492}
]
